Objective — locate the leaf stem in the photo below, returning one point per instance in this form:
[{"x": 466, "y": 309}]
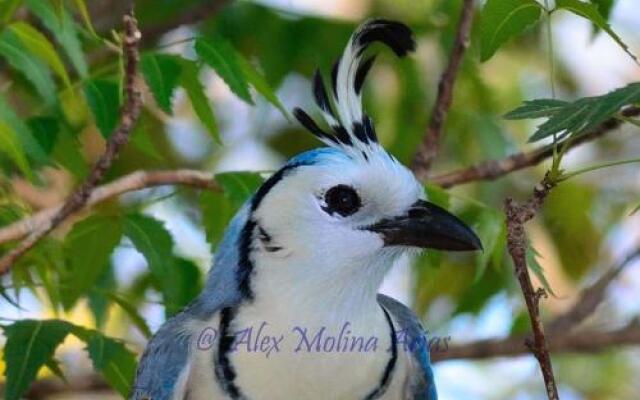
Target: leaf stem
[{"x": 607, "y": 164}]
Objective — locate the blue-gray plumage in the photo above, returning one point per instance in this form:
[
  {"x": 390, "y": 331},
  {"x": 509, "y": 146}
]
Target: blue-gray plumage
[{"x": 303, "y": 259}]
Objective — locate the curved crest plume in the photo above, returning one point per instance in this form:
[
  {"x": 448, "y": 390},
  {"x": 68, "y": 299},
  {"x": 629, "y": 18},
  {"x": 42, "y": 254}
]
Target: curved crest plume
[{"x": 351, "y": 128}]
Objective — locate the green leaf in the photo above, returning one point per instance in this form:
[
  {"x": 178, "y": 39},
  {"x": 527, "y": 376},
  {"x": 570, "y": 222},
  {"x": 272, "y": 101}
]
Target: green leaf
[
  {"x": 538, "y": 108},
  {"x": 45, "y": 130},
  {"x": 504, "y": 19},
  {"x": 239, "y": 186},
  {"x": 7, "y": 9},
  {"x": 190, "y": 81},
  {"x": 188, "y": 282},
  {"x": 161, "y": 72},
  {"x": 154, "y": 242},
  {"x": 536, "y": 268},
  {"x": 40, "y": 47},
  {"x": 604, "y": 7},
  {"x": 133, "y": 314},
  {"x": 578, "y": 116},
  {"x": 67, "y": 153},
  {"x": 64, "y": 29},
  {"x": 81, "y": 6},
  {"x": 30, "y": 345},
  {"x": 10, "y": 146},
  {"x": 437, "y": 195},
  {"x": 109, "y": 356},
  {"x": 490, "y": 228},
  {"x": 221, "y": 56},
  {"x": 54, "y": 366},
  {"x": 88, "y": 246},
  {"x": 217, "y": 211},
  {"x": 29, "y": 144},
  {"x": 98, "y": 296},
  {"x": 258, "y": 81},
  {"x": 103, "y": 98},
  {"x": 37, "y": 73},
  {"x": 590, "y": 12}
]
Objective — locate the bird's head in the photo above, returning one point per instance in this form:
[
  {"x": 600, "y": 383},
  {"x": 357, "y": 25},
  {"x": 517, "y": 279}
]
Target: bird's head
[{"x": 351, "y": 202}]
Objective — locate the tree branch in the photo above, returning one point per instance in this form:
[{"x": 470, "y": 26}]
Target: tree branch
[
  {"x": 129, "y": 115},
  {"x": 559, "y": 342},
  {"x": 128, "y": 183},
  {"x": 493, "y": 169},
  {"x": 429, "y": 146},
  {"x": 517, "y": 217},
  {"x": 590, "y": 298}
]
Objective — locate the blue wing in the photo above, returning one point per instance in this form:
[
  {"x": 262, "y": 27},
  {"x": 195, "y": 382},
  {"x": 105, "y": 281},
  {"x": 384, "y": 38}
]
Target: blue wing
[
  {"x": 164, "y": 367},
  {"x": 421, "y": 385}
]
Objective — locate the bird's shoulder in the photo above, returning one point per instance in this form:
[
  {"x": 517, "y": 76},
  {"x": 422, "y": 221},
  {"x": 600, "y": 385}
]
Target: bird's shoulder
[{"x": 412, "y": 339}]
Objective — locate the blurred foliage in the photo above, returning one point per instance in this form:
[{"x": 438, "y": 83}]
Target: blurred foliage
[{"x": 60, "y": 94}]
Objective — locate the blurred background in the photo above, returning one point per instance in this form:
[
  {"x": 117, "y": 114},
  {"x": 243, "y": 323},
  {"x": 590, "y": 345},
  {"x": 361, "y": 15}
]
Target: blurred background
[{"x": 585, "y": 228}]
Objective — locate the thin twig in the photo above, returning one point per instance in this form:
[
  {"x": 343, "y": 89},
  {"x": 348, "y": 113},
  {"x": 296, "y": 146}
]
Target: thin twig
[
  {"x": 517, "y": 217},
  {"x": 559, "y": 342},
  {"x": 135, "y": 181},
  {"x": 590, "y": 298},
  {"x": 429, "y": 146},
  {"x": 493, "y": 169},
  {"x": 129, "y": 115}
]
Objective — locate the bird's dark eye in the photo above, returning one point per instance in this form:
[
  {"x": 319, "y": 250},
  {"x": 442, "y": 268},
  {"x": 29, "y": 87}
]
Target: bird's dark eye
[{"x": 342, "y": 199}]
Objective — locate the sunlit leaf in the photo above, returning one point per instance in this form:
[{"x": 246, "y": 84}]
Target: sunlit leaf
[
  {"x": 162, "y": 73},
  {"x": 64, "y": 30},
  {"x": 103, "y": 98},
  {"x": 504, "y": 19},
  {"x": 590, "y": 12},
  {"x": 10, "y": 147},
  {"x": 81, "y": 5},
  {"x": 36, "y": 72},
  {"x": 7, "y": 9},
  {"x": 40, "y": 46},
  {"x": 30, "y": 345},
  {"x": 221, "y": 56}
]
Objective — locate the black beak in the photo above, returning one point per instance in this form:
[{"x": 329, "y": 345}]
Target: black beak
[{"x": 427, "y": 226}]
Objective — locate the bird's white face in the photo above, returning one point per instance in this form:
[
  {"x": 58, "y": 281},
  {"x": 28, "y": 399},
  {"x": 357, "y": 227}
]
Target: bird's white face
[
  {"x": 349, "y": 217},
  {"x": 320, "y": 211}
]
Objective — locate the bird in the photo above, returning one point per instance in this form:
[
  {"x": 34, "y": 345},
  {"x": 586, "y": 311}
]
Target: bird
[{"x": 290, "y": 308}]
